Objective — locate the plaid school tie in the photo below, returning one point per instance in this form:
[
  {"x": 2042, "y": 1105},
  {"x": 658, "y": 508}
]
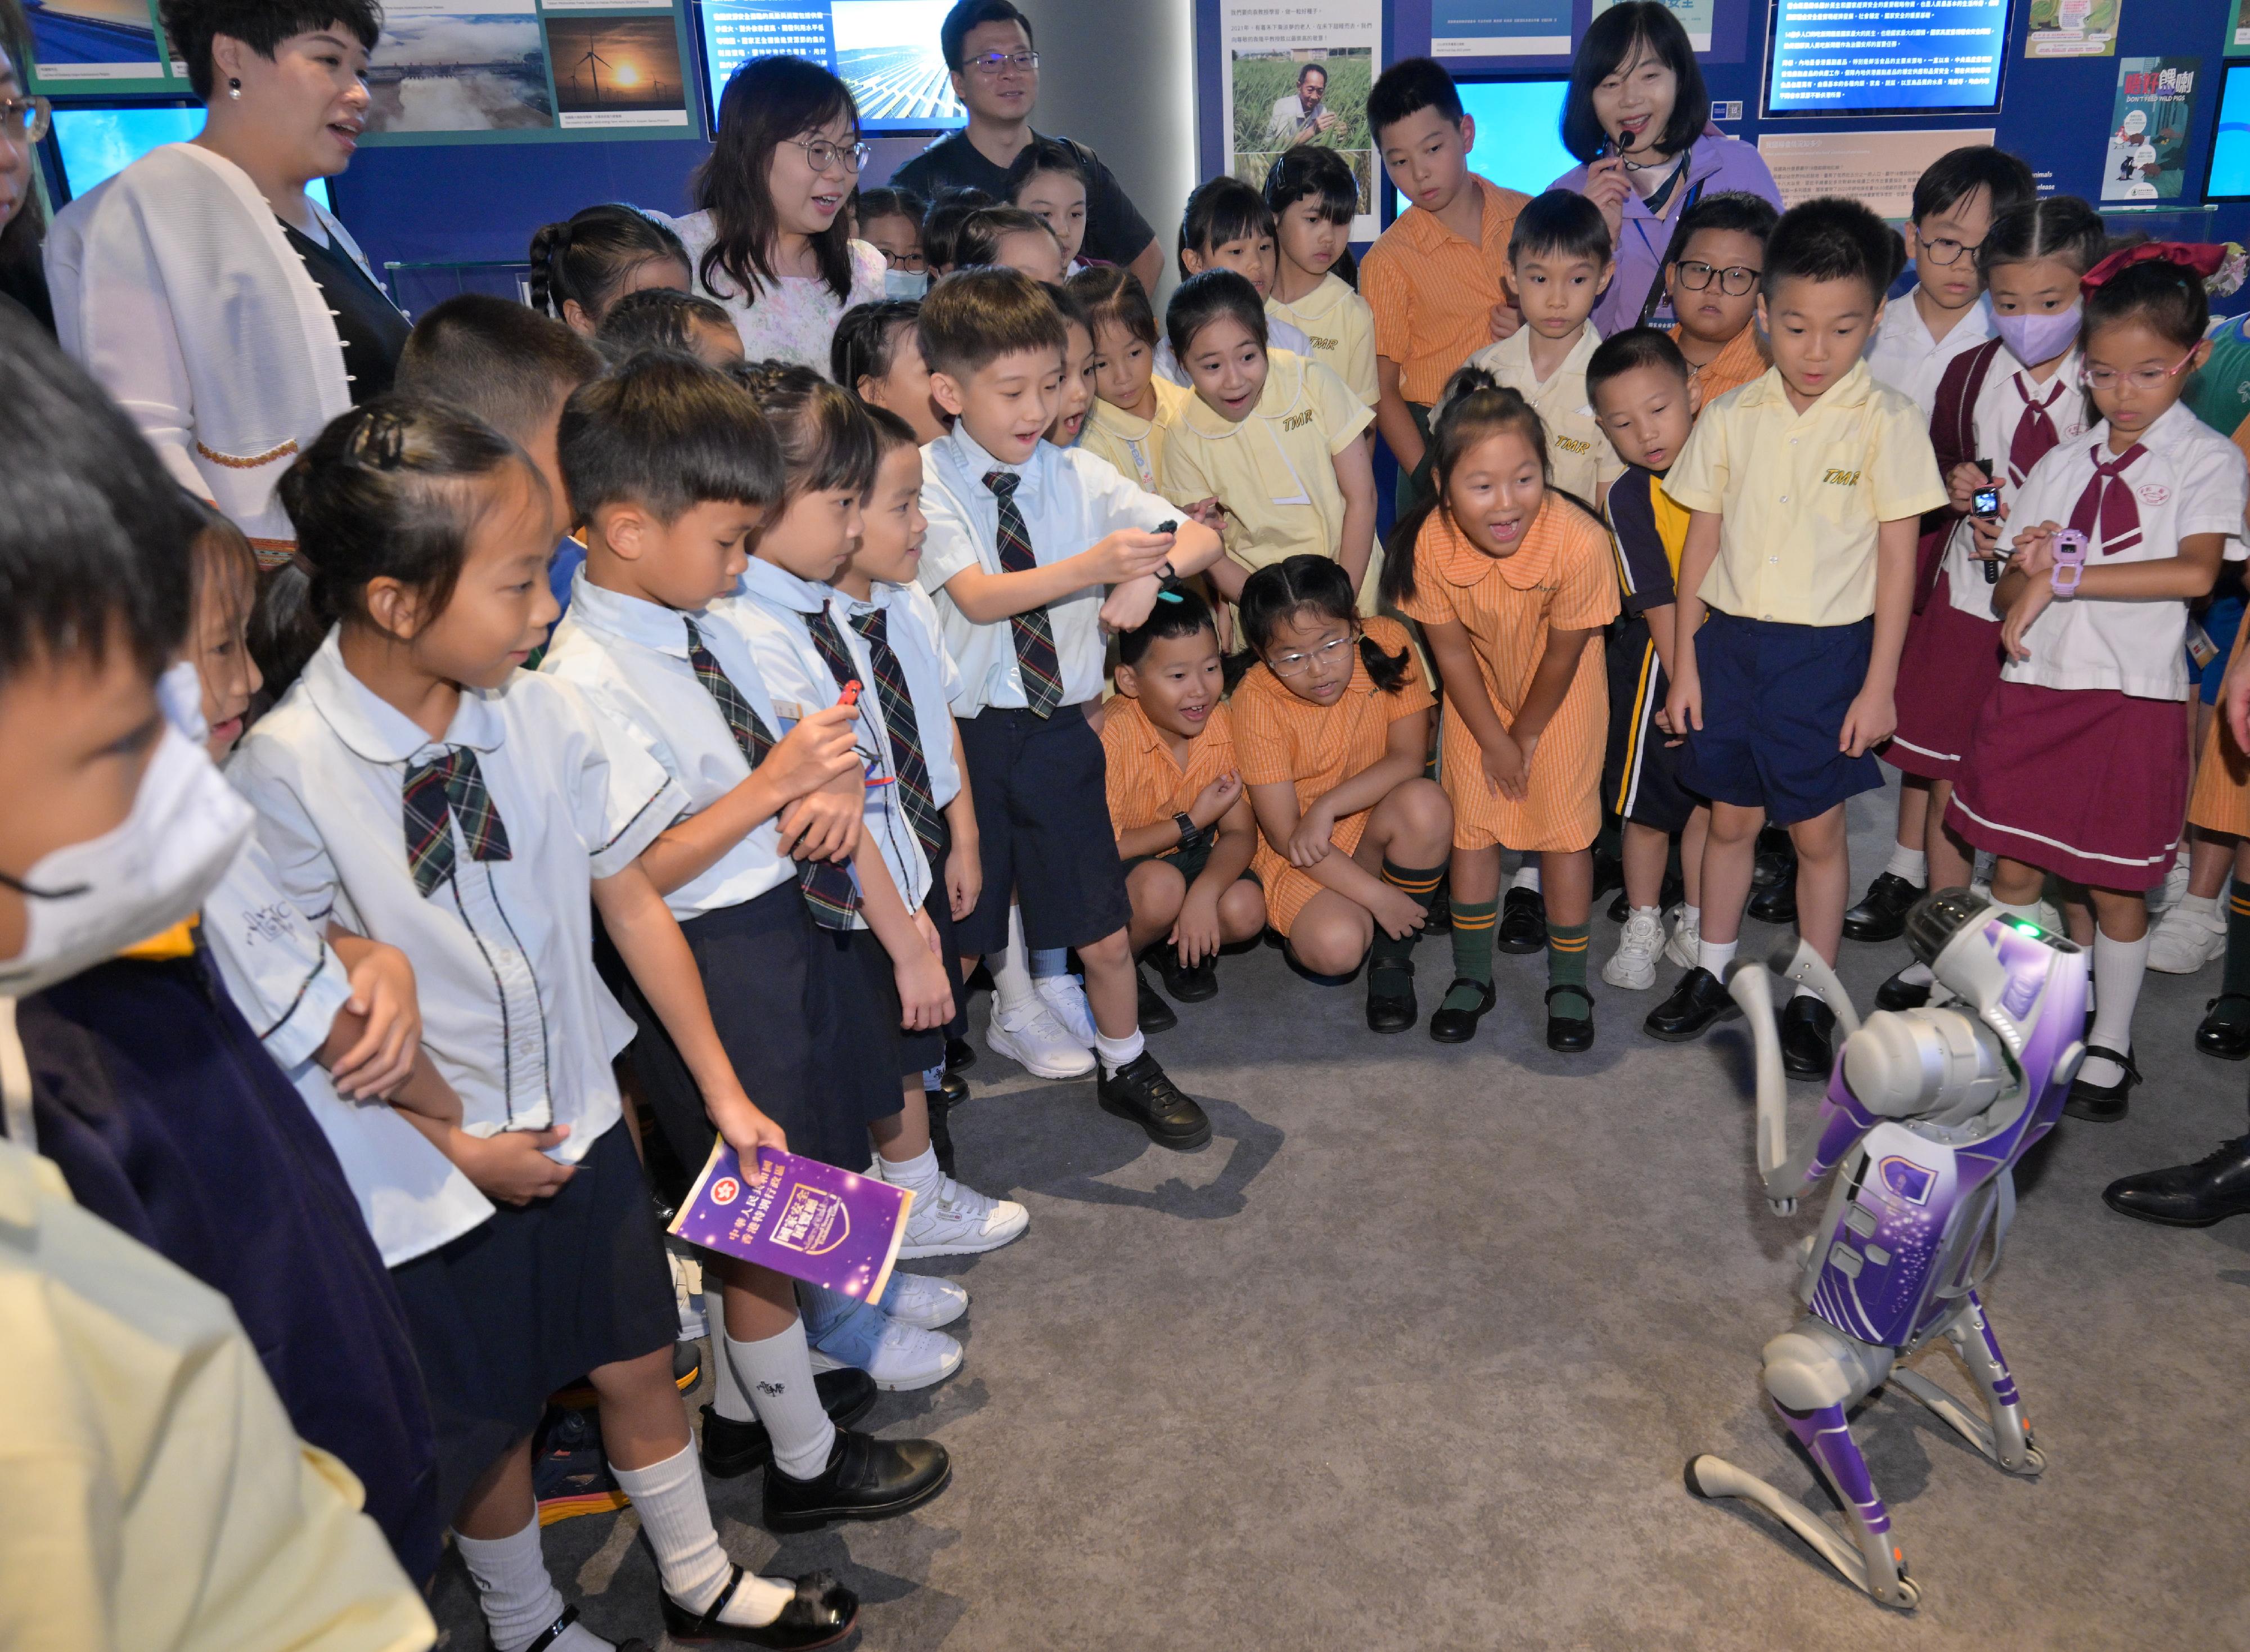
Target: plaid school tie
[
  {"x": 1033, "y": 636},
  {"x": 2108, "y": 500},
  {"x": 437, "y": 794},
  {"x": 829, "y": 895},
  {"x": 2035, "y": 431},
  {"x": 897, "y": 703}
]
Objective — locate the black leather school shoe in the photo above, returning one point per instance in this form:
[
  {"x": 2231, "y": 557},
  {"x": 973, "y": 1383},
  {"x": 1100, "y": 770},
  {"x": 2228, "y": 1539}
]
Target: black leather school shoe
[
  {"x": 821, "y": 1612},
  {"x": 2225, "y": 1035},
  {"x": 1880, "y": 915},
  {"x": 1570, "y": 1034},
  {"x": 1699, "y": 1001},
  {"x": 1188, "y": 983},
  {"x": 1776, "y": 903},
  {"x": 1895, "y": 994},
  {"x": 1391, "y": 1006},
  {"x": 1808, "y": 1038},
  {"x": 1458, "y": 1026},
  {"x": 2214, "y": 1188},
  {"x": 2101, "y": 1104},
  {"x": 1523, "y": 926},
  {"x": 1142, "y": 1092},
  {"x": 866, "y": 1479},
  {"x": 1151, "y": 1013},
  {"x": 732, "y": 1448}
]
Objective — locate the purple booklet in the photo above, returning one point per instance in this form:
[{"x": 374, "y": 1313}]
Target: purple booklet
[{"x": 799, "y": 1217}]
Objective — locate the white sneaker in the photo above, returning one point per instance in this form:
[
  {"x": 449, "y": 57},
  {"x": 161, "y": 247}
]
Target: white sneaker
[
  {"x": 906, "y": 1357},
  {"x": 1633, "y": 966},
  {"x": 2175, "y": 888},
  {"x": 2184, "y": 941},
  {"x": 1687, "y": 936},
  {"x": 960, "y": 1221},
  {"x": 923, "y": 1302},
  {"x": 1037, "y": 1042},
  {"x": 1065, "y": 996}
]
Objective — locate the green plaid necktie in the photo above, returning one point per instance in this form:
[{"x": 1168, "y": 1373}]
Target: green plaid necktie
[
  {"x": 829, "y": 895},
  {"x": 437, "y": 794},
  {"x": 1033, "y": 636},
  {"x": 897, "y": 703}
]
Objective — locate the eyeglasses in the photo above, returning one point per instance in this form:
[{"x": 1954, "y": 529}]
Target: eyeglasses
[
  {"x": 1944, "y": 249},
  {"x": 1736, "y": 279},
  {"x": 998, "y": 62},
  {"x": 821, "y": 155},
  {"x": 26, "y": 119},
  {"x": 2139, "y": 378},
  {"x": 1298, "y": 665}
]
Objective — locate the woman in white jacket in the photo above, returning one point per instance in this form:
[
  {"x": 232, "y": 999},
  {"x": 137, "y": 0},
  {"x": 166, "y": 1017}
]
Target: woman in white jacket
[{"x": 228, "y": 315}]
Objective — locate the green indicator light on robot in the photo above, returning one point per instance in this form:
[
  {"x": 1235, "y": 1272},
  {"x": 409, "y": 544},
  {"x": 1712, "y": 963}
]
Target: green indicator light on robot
[{"x": 2024, "y": 926}]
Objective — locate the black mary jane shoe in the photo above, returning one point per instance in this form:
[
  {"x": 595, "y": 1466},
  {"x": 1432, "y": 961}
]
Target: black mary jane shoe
[
  {"x": 1880, "y": 915},
  {"x": 1152, "y": 1012},
  {"x": 1390, "y": 1011},
  {"x": 2226, "y": 1036},
  {"x": 821, "y": 1612},
  {"x": 2101, "y": 1104},
  {"x": 1808, "y": 1038},
  {"x": 1570, "y": 1034},
  {"x": 732, "y": 1448},
  {"x": 1187, "y": 983},
  {"x": 1898, "y": 994},
  {"x": 866, "y": 1479},
  {"x": 556, "y": 1630},
  {"x": 1458, "y": 1026},
  {"x": 1698, "y": 1000},
  {"x": 1522, "y": 928},
  {"x": 2214, "y": 1188}
]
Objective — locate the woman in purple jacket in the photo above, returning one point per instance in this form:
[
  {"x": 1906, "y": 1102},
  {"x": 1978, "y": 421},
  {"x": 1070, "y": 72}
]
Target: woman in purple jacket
[{"x": 1639, "y": 120}]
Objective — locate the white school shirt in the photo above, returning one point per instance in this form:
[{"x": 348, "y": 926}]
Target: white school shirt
[
  {"x": 769, "y": 611},
  {"x": 629, "y": 657},
  {"x": 289, "y": 984},
  {"x": 933, "y": 680},
  {"x": 1902, "y": 356},
  {"x": 1280, "y": 336},
  {"x": 2000, "y": 407},
  {"x": 513, "y": 1014},
  {"x": 2191, "y": 480},
  {"x": 1069, "y": 500}
]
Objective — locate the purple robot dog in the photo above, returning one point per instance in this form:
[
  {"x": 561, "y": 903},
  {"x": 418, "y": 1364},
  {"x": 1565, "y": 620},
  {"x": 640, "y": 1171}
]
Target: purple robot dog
[{"x": 1926, "y": 1114}]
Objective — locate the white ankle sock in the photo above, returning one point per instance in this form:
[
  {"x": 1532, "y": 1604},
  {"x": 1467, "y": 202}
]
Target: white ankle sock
[
  {"x": 1012, "y": 968},
  {"x": 727, "y": 1398},
  {"x": 1119, "y": 1052},
  {"x": 2120, "y": 966},
  {"x": 1527, "y": 876},
  {"x": 920, "y": 1174},
  {"x": 520, "y": 1600},
  {"x": 1714, "y": 955},
  {"x": 1913, "y": 865},
  {"x": 777, "y": 1373},
  {"x": 669, "y": 1498}
]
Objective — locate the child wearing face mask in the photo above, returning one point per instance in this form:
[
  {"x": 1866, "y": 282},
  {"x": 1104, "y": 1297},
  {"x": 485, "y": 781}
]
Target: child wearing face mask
[
  {"x": 890, "y": 221},
  {"x": 2006, "y": 404},
  {"x": 2077, "y": 764},
  {"x": 1228, "y": 226}
]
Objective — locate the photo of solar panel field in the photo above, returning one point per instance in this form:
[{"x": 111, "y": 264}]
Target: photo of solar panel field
[{"x": 886, "y": 51}]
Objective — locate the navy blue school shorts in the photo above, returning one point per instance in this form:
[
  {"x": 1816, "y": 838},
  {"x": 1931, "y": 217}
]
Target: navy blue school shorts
[
  {"x": 1043, "y": 816},
  {"x": 1774, "y": 702}
]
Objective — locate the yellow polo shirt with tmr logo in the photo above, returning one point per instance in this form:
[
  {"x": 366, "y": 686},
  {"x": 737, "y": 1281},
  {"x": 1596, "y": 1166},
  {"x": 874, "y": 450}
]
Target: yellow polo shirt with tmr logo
[
  {"x": 1579, "y": 457},
  {"x": 1341, "y": 327},
  {"x": 1136, "y": 446},
  {"x": 1800, "y": 496}
]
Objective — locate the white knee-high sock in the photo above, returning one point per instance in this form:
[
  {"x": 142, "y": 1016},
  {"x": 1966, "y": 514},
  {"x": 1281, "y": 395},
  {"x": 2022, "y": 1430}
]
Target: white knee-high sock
[
  {"x": 727, "y": 1398},
  {"x": 1012, "y": 968},
  {"x": 776, "y": 1372},
  {"x": 520, "y": 1600},
  {"x": 2119, "y": 965},
  {"x": 669, "y": 1498}
]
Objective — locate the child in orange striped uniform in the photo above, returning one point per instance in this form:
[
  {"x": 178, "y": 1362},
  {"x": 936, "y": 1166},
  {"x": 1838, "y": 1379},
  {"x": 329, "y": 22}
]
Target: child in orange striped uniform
[{"x": 1511, "y": 581}]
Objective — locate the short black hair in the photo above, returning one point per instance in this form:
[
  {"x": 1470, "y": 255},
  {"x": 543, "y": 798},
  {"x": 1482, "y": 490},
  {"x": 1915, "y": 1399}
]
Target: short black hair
[
  {"x": 981, "y": 232},
  {"x": 1562, "y": 222},
  {"x": 973, "y": 317},
  {"x": 94, "y": 531},
  {"x": 666, "y": 433},
  {"x": 1416, "y": 83},
  {"x": 1221, "y": 209},
  {"x": 1731, "y": 211},
  {"x": 940, "y": 227},
  {"x": 893, "y": 203},
  {"x": 1832, "y": 240},
  {"x": 1201, "y": 300},
  {"x": 968, "y": 15},
  {"x": 892, "y": 432},
  {"x": 506, "y": 362},
  {"x": 1044, "y": 154},
  {"x": 262, "y": 26},
  {"x": 657, "y": 318},
  {"x": 1613, "y": 39},
  {"x": 1637, "y": 347},
  {"x": 1312, "y": 169},
  {"x": 1112, "y": 293},
  {"x": 827, "y": 441},
  {"x": 867, "y": 339},
  {"x": 1314, "y": 67},
  {"x": 1068, "y": 306},
  {"x": 1958, "y": 174},
  {"x": 1182, "y": 614}
]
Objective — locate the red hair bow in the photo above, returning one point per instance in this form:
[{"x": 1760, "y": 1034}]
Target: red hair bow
[{"x": 2201, "y": 257}]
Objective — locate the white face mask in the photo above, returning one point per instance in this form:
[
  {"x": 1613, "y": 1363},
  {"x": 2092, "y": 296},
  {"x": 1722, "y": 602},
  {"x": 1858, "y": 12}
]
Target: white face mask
[
  {"x": 87, "y": 901},
  {"x": 905, "y": 283}
]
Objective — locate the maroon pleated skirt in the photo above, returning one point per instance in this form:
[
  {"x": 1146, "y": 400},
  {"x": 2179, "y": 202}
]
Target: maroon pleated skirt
[
  {"x": 1947, "y": 670},
  {"x": 2088, "y": 783}
]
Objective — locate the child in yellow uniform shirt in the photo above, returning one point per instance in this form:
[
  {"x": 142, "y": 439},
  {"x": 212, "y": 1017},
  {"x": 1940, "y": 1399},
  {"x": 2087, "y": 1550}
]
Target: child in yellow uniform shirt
[
  {"x": 1268, "y": 452},
  {"x": 1134, "y": 405},
  {"x": 1314, "y": 199},
  {"x": 1559, "y": 255}
]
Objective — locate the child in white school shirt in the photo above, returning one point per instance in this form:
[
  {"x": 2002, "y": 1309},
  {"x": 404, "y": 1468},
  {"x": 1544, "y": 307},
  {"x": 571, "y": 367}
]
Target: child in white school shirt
[{"x": 418, "y": 788}]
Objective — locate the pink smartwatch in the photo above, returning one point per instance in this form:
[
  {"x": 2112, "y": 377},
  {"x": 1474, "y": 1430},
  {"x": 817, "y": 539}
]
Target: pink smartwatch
[{"x": 2069, "y": 560}]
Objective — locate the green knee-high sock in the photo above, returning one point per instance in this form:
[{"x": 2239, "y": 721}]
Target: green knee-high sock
[
  {"x": 1566, "y": 967},
  {"x": 1473, "y": 928},
  {"x": 1419, "y": 886},
  {"x": 2236, "y": 981}
]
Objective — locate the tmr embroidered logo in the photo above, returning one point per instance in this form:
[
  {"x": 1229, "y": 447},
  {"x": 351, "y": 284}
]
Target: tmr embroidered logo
[
  {"x": 1298, "y": 421},
  {"x": 1570, "y": 443},
  {"x": 1320, "y": 343},
  {"x": 1841, "y": 478}
]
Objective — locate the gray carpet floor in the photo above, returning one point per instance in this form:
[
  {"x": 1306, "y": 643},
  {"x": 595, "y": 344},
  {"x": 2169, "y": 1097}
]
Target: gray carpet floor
[{"x": 1412, "y": 1355}]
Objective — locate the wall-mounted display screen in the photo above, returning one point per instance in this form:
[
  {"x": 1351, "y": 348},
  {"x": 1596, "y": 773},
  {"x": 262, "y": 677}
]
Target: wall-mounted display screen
[
  {"x": 886, "y": 51},
  {"x": 2230, "y": 144},
  {"x": 1519, "y": 131},
  {"x": 1884, "y": 57},
  {"x": 94, "y": 144}
]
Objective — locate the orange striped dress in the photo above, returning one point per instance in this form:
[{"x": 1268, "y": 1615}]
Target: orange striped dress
[
  {"x": 2221, "y": 801},
  {"x": 1561, "y": 578},
  {"x": 1283, "y": 738},
  {"x": 1147, "y": 783},
  {"x": 1730, "y": 368}
]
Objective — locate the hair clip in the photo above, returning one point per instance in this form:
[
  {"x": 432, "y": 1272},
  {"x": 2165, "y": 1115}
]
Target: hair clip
[
  {"x": 380, "y": 441},
  {"x": 2219, "y": 265}
]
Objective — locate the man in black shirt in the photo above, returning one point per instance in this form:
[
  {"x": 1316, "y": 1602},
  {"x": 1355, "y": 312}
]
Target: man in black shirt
[{"x": 996, "y": 74}]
